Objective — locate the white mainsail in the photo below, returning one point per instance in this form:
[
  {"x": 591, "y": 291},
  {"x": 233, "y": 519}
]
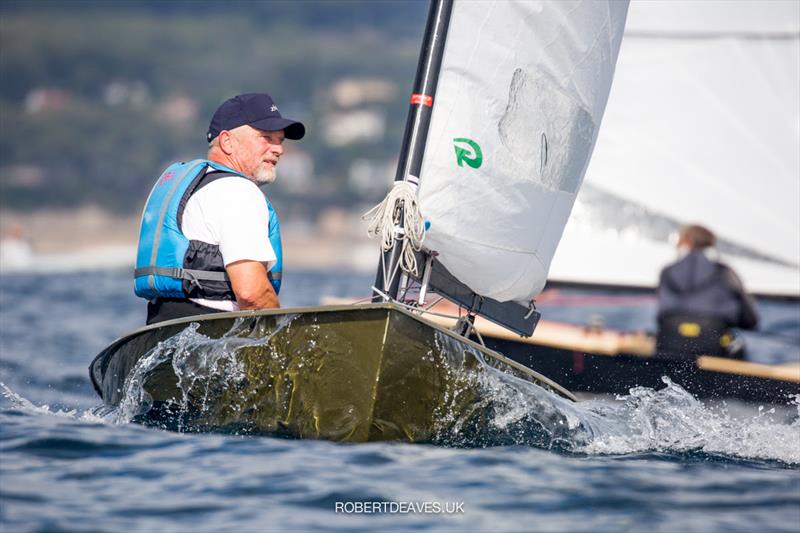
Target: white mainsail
[
  {"x": 702, "y": 125},
  {"x": 521, "y": 94}
]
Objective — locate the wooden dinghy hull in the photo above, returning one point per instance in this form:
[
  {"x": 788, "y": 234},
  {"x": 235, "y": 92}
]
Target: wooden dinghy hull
[
  {"x": 605, "y": 361},
  {"x": 704, "y": 377},
  {"x": 344, "y": 373}
]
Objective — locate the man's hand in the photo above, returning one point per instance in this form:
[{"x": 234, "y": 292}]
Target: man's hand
[{"x": 251, "y": 285}]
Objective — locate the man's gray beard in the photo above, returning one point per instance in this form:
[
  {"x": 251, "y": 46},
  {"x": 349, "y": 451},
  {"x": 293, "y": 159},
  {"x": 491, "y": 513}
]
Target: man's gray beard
[{"x": 264, "y": 175}]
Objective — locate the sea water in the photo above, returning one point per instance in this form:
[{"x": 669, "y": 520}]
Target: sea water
[{"x": 657, "y": 460}]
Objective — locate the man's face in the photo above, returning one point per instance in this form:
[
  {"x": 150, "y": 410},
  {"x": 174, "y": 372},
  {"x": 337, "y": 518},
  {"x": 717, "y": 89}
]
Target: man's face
[{"x": 257, "y": 152}]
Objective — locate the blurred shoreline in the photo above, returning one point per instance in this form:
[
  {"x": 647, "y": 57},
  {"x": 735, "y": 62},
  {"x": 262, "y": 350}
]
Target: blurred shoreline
[{"x": 91, "y": 237}]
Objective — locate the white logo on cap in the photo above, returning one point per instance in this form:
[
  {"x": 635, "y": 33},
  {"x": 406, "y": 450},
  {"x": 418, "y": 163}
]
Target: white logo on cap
[{"x": 273, "y": 108}]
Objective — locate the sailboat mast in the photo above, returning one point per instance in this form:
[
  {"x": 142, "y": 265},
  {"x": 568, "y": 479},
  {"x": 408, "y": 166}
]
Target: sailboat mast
[{"x": 417, "y": 125}]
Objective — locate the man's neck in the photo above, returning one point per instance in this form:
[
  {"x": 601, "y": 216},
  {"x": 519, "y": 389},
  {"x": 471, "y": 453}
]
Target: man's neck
[{"x": 219, "y": 157}]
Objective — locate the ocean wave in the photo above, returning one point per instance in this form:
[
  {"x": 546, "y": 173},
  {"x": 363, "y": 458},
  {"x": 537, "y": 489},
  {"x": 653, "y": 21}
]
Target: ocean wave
[
  {"x": 28, "y": 406},
  {"x": 672, "y": 420}
]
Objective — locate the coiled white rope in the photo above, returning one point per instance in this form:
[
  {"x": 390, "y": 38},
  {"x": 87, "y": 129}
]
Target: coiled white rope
[{"x": 385, "y": 218}]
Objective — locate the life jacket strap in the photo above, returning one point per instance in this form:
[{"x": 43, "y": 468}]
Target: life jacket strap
[
  {"x": 191, "y": 274},
  {"x": 182, "y": 273}
]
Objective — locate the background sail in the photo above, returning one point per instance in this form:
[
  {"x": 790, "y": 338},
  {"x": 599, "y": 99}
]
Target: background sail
[
  {"x": 702, "y": 125},
  {"x": 521, "y": 94}
]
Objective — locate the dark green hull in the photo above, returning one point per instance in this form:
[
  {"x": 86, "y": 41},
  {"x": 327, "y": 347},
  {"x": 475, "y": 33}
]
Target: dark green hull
[{"x": 353, "y": 373}]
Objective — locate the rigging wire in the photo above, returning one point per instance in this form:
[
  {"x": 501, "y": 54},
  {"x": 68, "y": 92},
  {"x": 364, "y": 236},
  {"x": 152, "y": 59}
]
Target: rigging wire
[
  {"x": 460, "y": 320},
  {"x": 414, "y": 308}
]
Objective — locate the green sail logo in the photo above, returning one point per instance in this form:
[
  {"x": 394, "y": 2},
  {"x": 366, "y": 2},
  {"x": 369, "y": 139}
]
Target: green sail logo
[{"x": 468, "y": 151}]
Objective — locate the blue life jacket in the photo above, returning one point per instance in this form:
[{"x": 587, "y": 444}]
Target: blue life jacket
[{"x": 168, "y": 265}]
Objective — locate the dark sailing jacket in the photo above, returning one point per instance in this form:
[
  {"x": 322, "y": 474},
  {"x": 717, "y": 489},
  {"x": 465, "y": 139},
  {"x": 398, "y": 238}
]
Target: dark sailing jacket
[{"x": 697, "y": 286}]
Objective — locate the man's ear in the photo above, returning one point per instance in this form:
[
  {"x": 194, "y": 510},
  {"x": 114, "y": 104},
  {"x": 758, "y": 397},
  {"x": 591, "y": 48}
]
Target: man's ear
[{"x": 226, "y": 141}]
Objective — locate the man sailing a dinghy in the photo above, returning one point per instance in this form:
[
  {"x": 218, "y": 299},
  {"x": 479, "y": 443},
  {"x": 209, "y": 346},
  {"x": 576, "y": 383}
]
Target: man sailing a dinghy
[
  {"x": 210, "y": 239},
  {"x": 699, "y": 300}
]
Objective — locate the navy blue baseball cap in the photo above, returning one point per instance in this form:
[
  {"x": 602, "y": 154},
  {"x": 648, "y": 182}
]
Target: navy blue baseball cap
[{"x": 253, "y": 109}]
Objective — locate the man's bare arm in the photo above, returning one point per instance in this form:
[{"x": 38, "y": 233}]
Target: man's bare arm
[{"x": 251, "y": 285}]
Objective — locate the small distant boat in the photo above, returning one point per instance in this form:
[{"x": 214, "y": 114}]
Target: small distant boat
[
  {"x": 16, "y": 252},
  {"x": 495, "y": 164}
]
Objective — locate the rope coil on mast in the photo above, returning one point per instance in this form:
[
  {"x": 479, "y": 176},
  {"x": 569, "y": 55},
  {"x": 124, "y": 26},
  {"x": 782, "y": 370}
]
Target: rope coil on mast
[{"x": 398, "y": 217}]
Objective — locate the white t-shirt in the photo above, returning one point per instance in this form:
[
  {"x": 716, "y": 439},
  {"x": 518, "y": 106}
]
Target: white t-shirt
[{"x": 230, "y": 212}]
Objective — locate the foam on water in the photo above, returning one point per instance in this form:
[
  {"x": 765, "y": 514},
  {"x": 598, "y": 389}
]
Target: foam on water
[
  {"x": 193, "y": 357},
  {"x": 646, "y": 420},
  {"x": 668, "y": 420},
  {"x": 508, "y": 411},
  {"x": 204, "y": 366},
  {"x": 672, "y": 420},
  {"x": 29, "y": 407}
]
